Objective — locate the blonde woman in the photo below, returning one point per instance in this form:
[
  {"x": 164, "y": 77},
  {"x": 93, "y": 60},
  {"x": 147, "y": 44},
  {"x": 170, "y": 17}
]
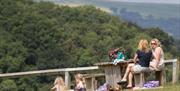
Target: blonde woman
[
  {"x": 158, "y": 55},
  {"x": 143, "y": 55},
  {"x": 80, "y": 83},
  {"x": 59, "y": 85}
]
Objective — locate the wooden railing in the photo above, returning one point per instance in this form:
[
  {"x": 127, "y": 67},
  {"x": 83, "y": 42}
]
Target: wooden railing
[
  {"x": 175, "y": 69},
  {"x": 64, "y": 71}
]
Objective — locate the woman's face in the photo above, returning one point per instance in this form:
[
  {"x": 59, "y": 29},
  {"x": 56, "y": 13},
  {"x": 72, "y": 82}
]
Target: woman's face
[
  {"x": 153, "y": 44},
  {"x": 59, "y": 82},
  {"x": 144, "y": 45}
]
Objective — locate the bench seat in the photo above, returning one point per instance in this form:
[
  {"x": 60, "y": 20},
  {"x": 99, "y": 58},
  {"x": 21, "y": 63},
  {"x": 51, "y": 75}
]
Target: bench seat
[{"x": 140, "y": 78}]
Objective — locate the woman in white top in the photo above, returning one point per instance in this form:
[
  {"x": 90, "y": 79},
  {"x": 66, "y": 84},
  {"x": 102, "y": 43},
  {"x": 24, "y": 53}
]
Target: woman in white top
[
  {"x": 158, "y": 54},
  {"x": 59, "y": 85}
]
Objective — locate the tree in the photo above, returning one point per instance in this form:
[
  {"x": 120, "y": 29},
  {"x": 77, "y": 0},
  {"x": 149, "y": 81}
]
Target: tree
[{"x": 8, "y": 85}]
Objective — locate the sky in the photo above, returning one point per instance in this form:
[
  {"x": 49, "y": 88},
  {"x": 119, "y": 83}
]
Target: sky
[{"x": 151, "y": 1}]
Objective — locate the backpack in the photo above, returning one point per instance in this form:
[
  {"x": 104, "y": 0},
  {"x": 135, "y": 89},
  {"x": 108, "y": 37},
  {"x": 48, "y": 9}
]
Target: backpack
[{"x": 117, "y": 53}]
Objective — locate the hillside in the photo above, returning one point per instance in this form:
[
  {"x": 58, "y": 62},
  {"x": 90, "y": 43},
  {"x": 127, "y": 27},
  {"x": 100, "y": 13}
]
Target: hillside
[
  {"x": 146, "y": 15},
  {"x": 42, "y": 35}
]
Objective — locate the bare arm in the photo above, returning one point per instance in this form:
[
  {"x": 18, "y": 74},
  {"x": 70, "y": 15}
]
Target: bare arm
[
  {"x": 135, "y": 58},
  {"x": 53, "y": 88},
  {"x": 157, "y": 55}
]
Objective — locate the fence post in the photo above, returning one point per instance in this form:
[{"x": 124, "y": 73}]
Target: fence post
[
  {"x": 67, "y": 79},
  {"x": 175, "y": 71}
]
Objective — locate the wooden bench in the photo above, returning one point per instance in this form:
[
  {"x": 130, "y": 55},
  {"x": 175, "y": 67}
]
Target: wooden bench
[
  {"x": 91, "y": 81},
  {"x": 139, "y": 78}
]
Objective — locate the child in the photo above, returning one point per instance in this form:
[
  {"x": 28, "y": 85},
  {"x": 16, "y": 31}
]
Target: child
[
  {"x": 80, "y": 83},
  {"x": 59, "y": 85}
]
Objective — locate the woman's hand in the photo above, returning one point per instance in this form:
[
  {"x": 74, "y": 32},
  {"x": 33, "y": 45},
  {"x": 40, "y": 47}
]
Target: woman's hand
[{"x": 156, "y": 69}]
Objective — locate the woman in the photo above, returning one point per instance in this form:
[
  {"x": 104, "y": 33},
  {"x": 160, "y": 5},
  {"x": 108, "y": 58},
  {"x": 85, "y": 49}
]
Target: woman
[
  {"x": 143, "y": 54},
  {"x": 80, "y": 83},
  {"x": 59, "y": 85},
  {"x": 158, "y": 55}
]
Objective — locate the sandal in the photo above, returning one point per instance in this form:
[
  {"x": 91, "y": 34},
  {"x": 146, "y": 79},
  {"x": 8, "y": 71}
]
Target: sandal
[{"x": 121, "y": 82}]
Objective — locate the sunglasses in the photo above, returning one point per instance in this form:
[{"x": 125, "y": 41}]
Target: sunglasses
[{"x": 153, "y": 43}]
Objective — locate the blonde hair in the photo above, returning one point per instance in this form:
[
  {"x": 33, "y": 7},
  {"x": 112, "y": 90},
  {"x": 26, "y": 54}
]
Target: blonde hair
[
  {"x": 157, "y": 42},
  {"x": 143, "y": 45},
  {"x": 60, "y": 79},
  {"x": 81, "y": 78},
  {"x": 62, "y": 84}
]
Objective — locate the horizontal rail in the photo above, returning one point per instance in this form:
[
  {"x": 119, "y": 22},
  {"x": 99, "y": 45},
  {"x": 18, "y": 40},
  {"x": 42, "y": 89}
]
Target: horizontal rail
[
  {"x": 51, "y": 71},
  {"x": 170, "y": 61}
]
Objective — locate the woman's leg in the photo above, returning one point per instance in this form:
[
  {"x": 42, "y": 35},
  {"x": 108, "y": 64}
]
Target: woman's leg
[
  {"x": 127, "y": 71},
  {"x": 130, "y": 79}
]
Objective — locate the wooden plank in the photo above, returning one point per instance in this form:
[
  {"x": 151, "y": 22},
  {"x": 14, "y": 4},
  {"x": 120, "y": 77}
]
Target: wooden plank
[
  {"x": 88, "y": 84},
  {"x": 111, "y": 75},
  {"x": 108, "y": 69},
  {"x": 170, "y": 61},
  {"x": 108, "y": 74},
  {"x": 117, "y": 74},
  {"x": 93, "y": 84},
  {"x": 51, "y": 71},
  {"x": 111, "y": 63},
  {"x": 113, "y": 78},
  {"x": 67, "y": 79},
  {"x": 137, "y": 80},
  {"x": 175, "y": 73},
  {"x": 82, "y": 68},
  {"x": 178, "y": 70},
  {"x": 93, "y": 75}
]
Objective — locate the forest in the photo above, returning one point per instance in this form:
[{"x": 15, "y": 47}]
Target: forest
[{"x": 43, "y": 35}]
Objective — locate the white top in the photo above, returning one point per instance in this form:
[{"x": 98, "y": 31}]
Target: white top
[
  {"x": 57, "y": 88},
  {"x": 80, "y": 85},
  {"x": 161, "y": 56}
]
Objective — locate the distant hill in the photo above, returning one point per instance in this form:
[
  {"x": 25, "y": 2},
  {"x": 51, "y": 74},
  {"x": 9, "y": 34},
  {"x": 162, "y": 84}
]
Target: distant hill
[{"x": 146, "y": 15}]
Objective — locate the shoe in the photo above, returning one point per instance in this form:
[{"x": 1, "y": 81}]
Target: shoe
[{"x": 121, "y": 82}]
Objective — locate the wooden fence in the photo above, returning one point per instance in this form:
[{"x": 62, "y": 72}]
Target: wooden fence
[
  {"x": 65, "y": 71},
  {"x": 175, "y": 69}
]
